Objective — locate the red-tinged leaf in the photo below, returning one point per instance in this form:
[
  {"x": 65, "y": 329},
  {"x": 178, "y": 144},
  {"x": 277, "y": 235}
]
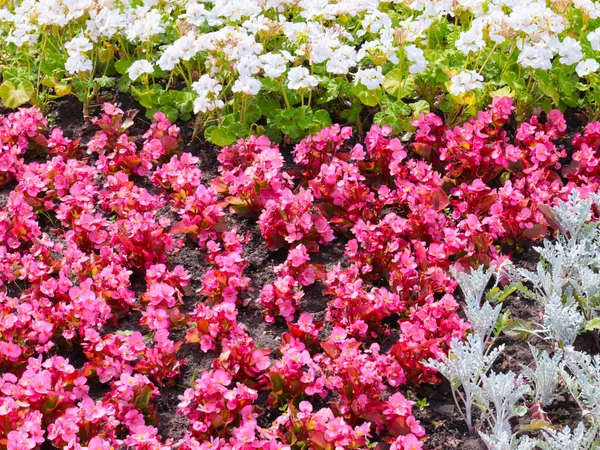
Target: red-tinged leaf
[
  {"x": 217, "y": 422},
  {"x": 423, "y": 150},
  {"x": 487, "y": 202},
  {"x": 50, "y": 405},
  {"x": 570, "y": 169},
  {"x": 277, "y": 382},
  {"x": 550, "y": 217},
  {"x": 440, "y": 200},
  {"x": 182, "y": 228},
  {"x": 218, "y": 185},
  {"x": 193, "y": 336},
  {"x": 372, "y": 412},
  {"x": 398, "y": 427},
  {"x": 330, "y": 349},
  {"x": 318, "y": 438},
  {"x": 538, "y": 231}
]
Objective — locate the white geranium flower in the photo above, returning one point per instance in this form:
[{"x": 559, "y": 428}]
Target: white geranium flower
[
  {"x": 570, "y": 51},
  {"x": 586, "y": 67},
  {"x": 470, "y": 41},
  {"x": 273, "y": 64},
  {"x": 138, "y": 68},
  {"x": 536, "y": 56},
  {"x": 78, "y": 63},
  {"x": 246, "y": 85},
  {"x": 465, "y": 81},
  {"x": 300, "y": 78},
  {"x": 342, "y": 60},
  {"x": 370, "y": 78},
  {"x": 170, "y": 58},
  {"x": 594, "y": 38},
  {"x": 79, "y": 44},
  {"x": 415, "y": 55}
]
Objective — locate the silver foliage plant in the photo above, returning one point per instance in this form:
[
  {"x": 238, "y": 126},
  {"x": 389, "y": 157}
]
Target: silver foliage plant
[
  {"x": 464, "y": 367},
  {"x": 482, "y": 317},
  {"x": 583, "y": 382},
  {"x": 546, "y": 375},
  {"x": 567, "y": 282},
  {"x": 578, "y": 439}
]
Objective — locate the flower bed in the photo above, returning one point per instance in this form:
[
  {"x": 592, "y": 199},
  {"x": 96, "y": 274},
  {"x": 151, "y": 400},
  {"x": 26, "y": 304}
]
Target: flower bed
[{"x": 94, "y": 311}]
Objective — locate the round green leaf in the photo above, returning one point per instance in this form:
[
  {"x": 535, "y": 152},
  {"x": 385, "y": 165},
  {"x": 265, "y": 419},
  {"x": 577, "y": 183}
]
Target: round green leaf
[
  {"x": 222, "y": 137},
  {"x": 366, "y": 96},
  {"x": 396, "y": 84},
  {"x": 12, "y": 96}
]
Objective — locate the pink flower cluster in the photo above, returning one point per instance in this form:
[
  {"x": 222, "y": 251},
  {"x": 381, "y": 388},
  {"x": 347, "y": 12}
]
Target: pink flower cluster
[{"x": 86, "y": 247}]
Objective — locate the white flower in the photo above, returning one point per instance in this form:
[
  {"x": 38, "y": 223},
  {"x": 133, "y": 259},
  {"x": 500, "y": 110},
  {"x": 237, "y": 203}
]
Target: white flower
[
  {"x": 415, "y": 55},
  {"x": 536, "y": 56},
  {"x": 370, "y": 78},
  {"x": 195, "y": 13},
  {"x": 586, "y": 67},
  {"x": 465, "y": 81},
  {"x": 594, "y": 38},
  {"x": 342, "y": 60},
  {"x": 273, "y": 64},
  {"x": 470, "y": 41},
  {"x": 79, "y": 44},
  {"x": 170, "y": 58},
  {"x": 207, "y": 85},
  {"x": 246, "y": 85},
  {"x": 138, "y": 68},
  {"x": 570, "y": 51},
  {"x": 204, "y": 104},
  {"x": 300, "y": 78},
  {"x": 249, "y": 65},
  {"x": 78, "y": 63}
]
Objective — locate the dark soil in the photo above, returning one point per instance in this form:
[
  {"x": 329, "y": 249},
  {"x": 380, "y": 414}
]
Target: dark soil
[{"x": 443, "y": 423}]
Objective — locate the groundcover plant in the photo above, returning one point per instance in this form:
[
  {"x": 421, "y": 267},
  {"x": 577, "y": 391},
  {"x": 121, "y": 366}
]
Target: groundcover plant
[
  {"x": 98, "y": 318},
  {"x": 289, "y": 68}
]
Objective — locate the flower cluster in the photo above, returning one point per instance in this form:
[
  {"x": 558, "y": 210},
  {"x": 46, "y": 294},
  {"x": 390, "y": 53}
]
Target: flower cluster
[{"x": 87, "y": 257}]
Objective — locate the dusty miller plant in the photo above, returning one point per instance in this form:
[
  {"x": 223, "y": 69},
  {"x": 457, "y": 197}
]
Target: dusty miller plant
[
  {"x": 503, "y": 391},
  {"x": 464, "y": 367},
  {"x": 577, "y": 439},
  {"x": 546, "y": 375},
  {"x": 567, "y": 280},
  {"x": 482, "y": 317},
  {"x": 583, "y": 381}
]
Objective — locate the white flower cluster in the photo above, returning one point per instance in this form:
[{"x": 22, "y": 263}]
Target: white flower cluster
[
  {"x": 78, "y": 60},
  {"x": 246, "y": 40}
]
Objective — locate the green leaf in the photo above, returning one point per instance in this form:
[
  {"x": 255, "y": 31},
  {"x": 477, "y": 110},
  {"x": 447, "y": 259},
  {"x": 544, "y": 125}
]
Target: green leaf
[
  {"x": 122, "y": 65},
  {"x": 419, "y": 107},
  {"x": 53, "y": 64},
  {"x": 366, "y": 96},
  {"x": 171, "y": 112},
  {"x": 16, "y": 75},
  {"x": 208, "y": 132},
  {"x": 537, "y": 424},
  {"x": 518, "y": 328},
  {"x": 12, "y": 96},
  {"x": 398, "y": 109},
  {"x": 63, "y": 88},
  {"x": 321, "y": 118},
  {"x": 148, "y": 98},
  {"x": 333, "y": 90},
  {"x": 253, "y": 114},
  {"x": 240, "y": 130},
  {"x": 104, "y": 82},
  {"x": 593, "y": 324},
  {"x": 222, "y": 137},
  {"x": 397, "y": 85}
]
